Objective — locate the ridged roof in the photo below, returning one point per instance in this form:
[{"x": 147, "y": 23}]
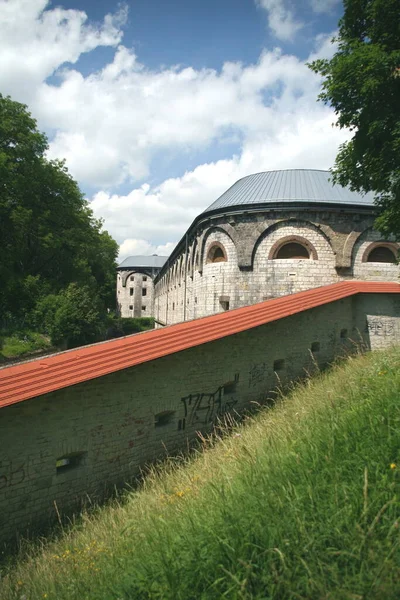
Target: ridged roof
[
  {"x": 41, "y": 376},
  {"x": 143, "y": 261},
  {"x": 292, "y": 185}
]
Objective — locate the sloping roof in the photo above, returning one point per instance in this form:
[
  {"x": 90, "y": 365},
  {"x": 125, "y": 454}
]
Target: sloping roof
[
  {"x": 143, "y": 261},
  {"x": 292, "y": 185},
  {"x": 37, "y": 377}
]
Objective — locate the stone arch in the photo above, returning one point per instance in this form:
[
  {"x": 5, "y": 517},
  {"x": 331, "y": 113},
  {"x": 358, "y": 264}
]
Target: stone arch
[
  {"x": 125, "y": 277},
  {"x": 294, "y": 239},
  {"x": 271, "y": 228},
  {"x": 367, "y": 241},
  {"x": 225, "y": 229},
  {"x": 138, "y": 271},
  {"x": 391, "y": 247}
]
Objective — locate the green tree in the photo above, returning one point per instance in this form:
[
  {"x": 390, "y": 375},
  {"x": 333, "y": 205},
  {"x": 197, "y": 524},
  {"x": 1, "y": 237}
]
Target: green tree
[
  {"x": 72, "y": 317},
  {"x": 362, "y": 83},
  {"x": 49, "y": 237}
]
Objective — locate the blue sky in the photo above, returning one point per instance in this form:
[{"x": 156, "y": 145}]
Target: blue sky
[{"x": 159, "y": 106}]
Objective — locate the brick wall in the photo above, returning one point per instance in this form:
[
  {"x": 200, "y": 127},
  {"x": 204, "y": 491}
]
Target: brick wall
[{"x": 110, "y": 426}]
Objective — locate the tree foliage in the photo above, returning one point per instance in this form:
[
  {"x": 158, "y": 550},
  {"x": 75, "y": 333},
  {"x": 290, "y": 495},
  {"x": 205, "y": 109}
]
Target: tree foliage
[
  {"x": 362, "y": 83},
  {"x": 49, "y": 237}
]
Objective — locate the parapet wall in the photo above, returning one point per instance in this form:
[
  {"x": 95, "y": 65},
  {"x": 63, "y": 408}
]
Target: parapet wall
[{"x": 57, "y": 448}]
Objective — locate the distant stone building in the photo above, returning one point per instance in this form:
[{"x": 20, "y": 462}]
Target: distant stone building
[
  {"x": 272, "y": 234},
  {"x": 135, "y": 285}
]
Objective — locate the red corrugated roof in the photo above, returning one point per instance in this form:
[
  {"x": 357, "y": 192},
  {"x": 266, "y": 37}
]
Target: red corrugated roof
[{"x": 37, "y": 377}]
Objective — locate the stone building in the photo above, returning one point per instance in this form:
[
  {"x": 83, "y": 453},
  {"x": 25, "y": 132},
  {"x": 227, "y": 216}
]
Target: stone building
[
  {"x": 271, "y": 234},
  {"x": 135, "y": 285}
]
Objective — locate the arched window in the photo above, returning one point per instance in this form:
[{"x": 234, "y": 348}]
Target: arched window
[
  {"x": 292, "y": 250},
  {"x": 216, "y": 254},
  {"x": 381, "y": 254}
]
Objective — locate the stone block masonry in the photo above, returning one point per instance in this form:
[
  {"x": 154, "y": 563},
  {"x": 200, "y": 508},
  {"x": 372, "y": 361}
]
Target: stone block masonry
[{"x": 59, "y": 448}]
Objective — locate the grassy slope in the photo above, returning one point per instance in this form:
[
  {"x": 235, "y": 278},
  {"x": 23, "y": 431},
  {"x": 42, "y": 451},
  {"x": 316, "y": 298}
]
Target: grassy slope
[{"x": 301, "y": 502}]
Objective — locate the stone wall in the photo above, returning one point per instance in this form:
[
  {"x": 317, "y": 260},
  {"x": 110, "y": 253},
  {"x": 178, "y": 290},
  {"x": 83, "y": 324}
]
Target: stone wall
[
  {"x": 338, "y": 240},
  {"x": 58, "y": 448},
  {"x": 135, "y": 293}
]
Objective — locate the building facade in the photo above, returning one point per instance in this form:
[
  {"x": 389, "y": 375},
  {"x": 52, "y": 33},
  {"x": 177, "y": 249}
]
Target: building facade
[
  {"x": 135, "y": 285},
  {"x": 272, "y": 234}
]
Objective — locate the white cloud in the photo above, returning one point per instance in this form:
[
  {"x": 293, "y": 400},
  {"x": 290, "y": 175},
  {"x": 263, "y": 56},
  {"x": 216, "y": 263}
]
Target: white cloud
[
  {"x": 324, "y": 6},
  {"x": 110, "y": 124},
  {"x": 34, "y": 42},
  {"x": 281, "y": 19}
]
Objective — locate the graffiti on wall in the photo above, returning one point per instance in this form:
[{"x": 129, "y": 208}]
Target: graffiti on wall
[
  {"x": 381, "y": 326},
  {"x": 257, "y": 374},
  {"x": 13, "y": 473},
  {"x": 205, "y": 408}
]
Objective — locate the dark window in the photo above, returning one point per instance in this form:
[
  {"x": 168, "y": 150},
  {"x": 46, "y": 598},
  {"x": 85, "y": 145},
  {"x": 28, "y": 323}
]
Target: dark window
[
  {"x": 144, "y": 278},
  {"x": 225, "y": 304},
  {"x": 163, "y": 418},
  {"x": 132, "y": 279},
  {"x": 381, "y": 254},
  {"x": 144, "y": 292},
  {"x": 292, "y": 250},
  {"x": 279, "y": 364},
  {"x": 69, "y": 461},
  {"x": 131, "y": 291},
  {"x": 131, "y": 307},
  {"x": 143, "y": 308},
  {"x": 216, "y": 254},
  {"x": 315, "y": 347}
]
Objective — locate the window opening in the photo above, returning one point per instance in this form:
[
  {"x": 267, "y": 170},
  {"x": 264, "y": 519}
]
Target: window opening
[
  {"x": 132, "y": 279},
  {"x": 131, "y": 307},
  {"x": 381, "y": 254},
  {"x": 131, "y": 291},
  {"x": 216, "y": 255},
  {"x": 144, "y": 292},
  {"x": 292, "y": 250},
  {"x": 143, "y": 308},
  {"x": 279, "y": 364},
  {"x": 69, "y": 461},
  {"x": 144, "y": 278},
  {"x": 163, "y": 418}
]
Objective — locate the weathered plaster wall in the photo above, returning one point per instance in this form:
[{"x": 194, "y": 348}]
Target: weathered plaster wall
[{"x": 120, "y": 421}]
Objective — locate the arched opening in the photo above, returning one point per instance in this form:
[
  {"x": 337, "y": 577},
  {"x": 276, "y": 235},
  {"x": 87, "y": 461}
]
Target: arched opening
[
  {"x": 216, "y": 254},
  {"x": 381, "y": 254},
  {"x": 292, "y": 250}
]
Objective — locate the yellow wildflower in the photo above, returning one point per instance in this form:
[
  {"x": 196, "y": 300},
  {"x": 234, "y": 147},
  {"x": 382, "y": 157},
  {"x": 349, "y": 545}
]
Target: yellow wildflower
[{"x": 393, "y": 465}]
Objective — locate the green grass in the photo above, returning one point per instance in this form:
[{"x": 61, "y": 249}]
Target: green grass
[
  {"x": 23, "y": 343},
  {"x": 300, "y": 502}
]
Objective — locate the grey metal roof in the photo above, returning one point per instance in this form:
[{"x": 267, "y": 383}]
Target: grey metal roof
[
  {"x": 292, "y": 185},
  {"x": 153, "y": 261}
]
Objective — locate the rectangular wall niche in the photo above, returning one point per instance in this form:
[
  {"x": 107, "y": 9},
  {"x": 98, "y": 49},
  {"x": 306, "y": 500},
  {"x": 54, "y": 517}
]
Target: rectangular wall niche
[
  {"x": 69, "y": 461},
  {"x": 279, "y": 364},
  {"x": 163, "y": 418}
]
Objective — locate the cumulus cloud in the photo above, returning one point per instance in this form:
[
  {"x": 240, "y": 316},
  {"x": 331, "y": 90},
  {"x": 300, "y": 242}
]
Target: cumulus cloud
[
  {"x": 34, "y": 42},
  {"x": 111, "y": 124},
  {"x": 281, "y": 19}
]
